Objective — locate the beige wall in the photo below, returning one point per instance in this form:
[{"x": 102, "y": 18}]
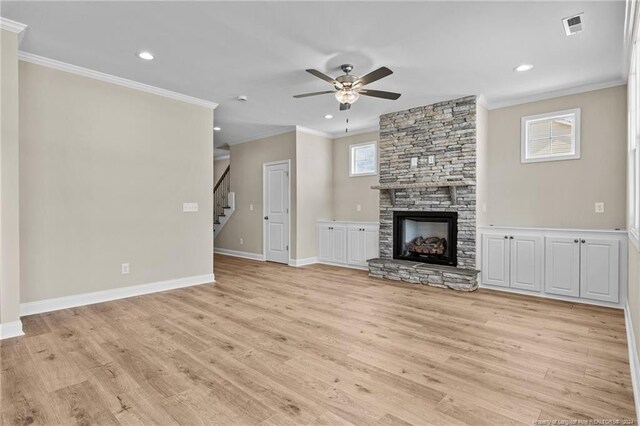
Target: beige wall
[
  {"x": 348, "y": 192},
  {"x": 104, "y": 171},
  {"x": 9, "y": 187},
  {"x": 246, "y": 181},
  {"x": 314, "y": 156},
  {"x": 559, "y": 193},
  {"x": 219, "y": 166}
]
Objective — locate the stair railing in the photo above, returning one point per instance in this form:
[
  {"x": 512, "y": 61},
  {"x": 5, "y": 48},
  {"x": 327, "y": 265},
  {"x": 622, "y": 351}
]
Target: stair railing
[{"x": 221, "y": 195}]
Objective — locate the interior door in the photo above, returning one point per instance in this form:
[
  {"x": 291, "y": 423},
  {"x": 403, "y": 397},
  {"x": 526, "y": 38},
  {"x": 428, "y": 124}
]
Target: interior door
[
  {"x": 276, "y": 212},
  {"x": 599, "y": 266},
  {"x": 562, "y": 266}
]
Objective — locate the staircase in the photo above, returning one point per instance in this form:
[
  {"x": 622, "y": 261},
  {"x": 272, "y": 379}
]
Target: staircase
[{"x": 224, "y": 202}]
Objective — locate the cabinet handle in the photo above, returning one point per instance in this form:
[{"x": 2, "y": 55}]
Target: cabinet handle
[
  {"x": 511, "y": 237},
  {"x": 584, "y": 241},
  {"x": 506, "y": 237},
  {"x": 576, "y": 241}
]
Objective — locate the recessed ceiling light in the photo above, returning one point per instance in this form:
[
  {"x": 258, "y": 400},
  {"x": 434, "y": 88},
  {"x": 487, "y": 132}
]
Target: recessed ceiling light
[
  {"x": 147, "y": 56},
  {"x": 328, "y": 116},
  {"x": 523, "y": 67},
  {"x": 217, "y": 129}
]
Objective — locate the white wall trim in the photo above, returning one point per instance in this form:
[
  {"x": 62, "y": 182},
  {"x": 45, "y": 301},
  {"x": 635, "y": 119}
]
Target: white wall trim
[
  {"x": 634, "y": 365},
  {"x": 65, "y": 302},
  {"x": 496, "y": 104},
  {"x": 356, "y": 132},
  {"x": 62, "y": 66},
  {"x": 303, "y": 262},
  {"x": 11, "y": 329},
  {"x": 13, "y": 26},
  {"x": 314, "y": 132},
  {"x": 238, "y": 253}
]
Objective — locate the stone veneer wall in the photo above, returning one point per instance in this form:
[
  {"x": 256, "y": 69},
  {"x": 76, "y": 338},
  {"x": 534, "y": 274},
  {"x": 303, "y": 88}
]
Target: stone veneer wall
[{"x": 446, "y": 130}]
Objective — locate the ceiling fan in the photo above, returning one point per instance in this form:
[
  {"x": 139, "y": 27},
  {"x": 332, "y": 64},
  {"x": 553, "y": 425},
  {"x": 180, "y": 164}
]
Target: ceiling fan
[{"x": 348, "y": 87}]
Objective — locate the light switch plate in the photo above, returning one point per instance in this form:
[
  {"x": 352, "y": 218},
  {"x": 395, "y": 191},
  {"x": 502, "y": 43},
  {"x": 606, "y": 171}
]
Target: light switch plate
[
  {"x": 414, "y": 161},
  {"x": 431, "y": 160},
  {"x": 250, "y": 207},
  {"x": 189, "y": 207},
  {"x": 359, "y": 207},
  {"x": 599, "y": 207}
]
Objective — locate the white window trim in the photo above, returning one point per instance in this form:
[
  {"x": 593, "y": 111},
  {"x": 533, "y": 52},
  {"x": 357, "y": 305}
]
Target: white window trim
[
  {"x": 524, "y": 137},
  {"x": 633, "y": 179},
  {"x": 358, "y": 145}
]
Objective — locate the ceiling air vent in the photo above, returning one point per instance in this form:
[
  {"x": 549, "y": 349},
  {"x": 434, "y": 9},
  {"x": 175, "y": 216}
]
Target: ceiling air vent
[{"x": 573, "y": 24}]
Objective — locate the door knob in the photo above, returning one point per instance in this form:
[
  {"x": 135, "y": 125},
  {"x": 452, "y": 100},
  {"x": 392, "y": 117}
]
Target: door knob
[{"x": 266, "y": 218}]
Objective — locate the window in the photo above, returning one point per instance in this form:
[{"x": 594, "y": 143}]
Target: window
[
  {"x": 362, "y": 159},
  {"x": 552, "y": 136}
]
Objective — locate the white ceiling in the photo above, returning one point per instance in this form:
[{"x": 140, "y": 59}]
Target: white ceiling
[{"x": 437, "y": 50}]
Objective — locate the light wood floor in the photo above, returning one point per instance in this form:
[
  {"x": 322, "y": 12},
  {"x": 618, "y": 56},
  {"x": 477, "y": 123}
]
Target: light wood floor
[{"x": 271, "y": 344}]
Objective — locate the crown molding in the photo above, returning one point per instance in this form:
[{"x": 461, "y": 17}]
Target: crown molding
[
  {"x": 280, "y": 131},
  {"x": 357, "y": 132},
  {"x": 13, "y": 26},
  {"x": 97, "y": 75},
  {"x": 314, "y": 132},
  {"x": 553, "y": 94}
]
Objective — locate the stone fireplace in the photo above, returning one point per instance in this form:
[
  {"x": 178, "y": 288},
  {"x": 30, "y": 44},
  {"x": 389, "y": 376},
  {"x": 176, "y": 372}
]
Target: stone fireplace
[{"x": 428, "y": 195}]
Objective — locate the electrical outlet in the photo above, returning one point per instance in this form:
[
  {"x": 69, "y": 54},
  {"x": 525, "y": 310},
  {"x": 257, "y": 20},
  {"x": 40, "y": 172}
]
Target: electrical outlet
[
  {"x": 189, "y": 207},
  {"x": 250, "y": 207},
  {"x": 600, "y": 207},
  {"x": 359, "y": 207},
  {"x": 414, "y": 162},
  {"x": 125, "y": 268},
  {"x": 241, "y": 241},
  {"x": 431, "y": 160}
]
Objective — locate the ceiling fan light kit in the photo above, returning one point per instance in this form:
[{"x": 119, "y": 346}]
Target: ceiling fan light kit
[{"x": 348, "y": 87}]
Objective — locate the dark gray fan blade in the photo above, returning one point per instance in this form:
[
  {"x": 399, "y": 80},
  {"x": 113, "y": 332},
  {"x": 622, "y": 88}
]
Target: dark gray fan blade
[
  {"x": 344, "y": 107},
  {"x": 305, "y": 95},
  {"x": 376, "y": 75},
  {"x": 322, "y": 76},
  {"x": 380, "y": 94}
]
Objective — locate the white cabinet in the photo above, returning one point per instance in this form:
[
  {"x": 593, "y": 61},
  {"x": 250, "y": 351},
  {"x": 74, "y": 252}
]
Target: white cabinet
[
  {"x": 583, "y": 267},
  {"x": 599, "y": 275},
  {"x": 347, "y": 243},
  {"x": 513, "y": 261},
  {"x": 362, "y": 244},
  {"x": 332, "y": 243},
  {"x": 562, "y": 266},
  {"x": 568, "y": 264}
]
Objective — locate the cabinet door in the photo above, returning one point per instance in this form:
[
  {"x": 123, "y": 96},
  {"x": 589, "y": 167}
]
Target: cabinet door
[
  {"x": 325, "y": 243},
  {"x": 354, "y": 245},
  {"x": 526, "y": 262},
  {"x": 562, "y": 266},
  {"x": 371, "y": 244},
  {"x": 599, "y": 269},
  {"x": 495, "y": 259},
  {"x": 339, "y": 235}
]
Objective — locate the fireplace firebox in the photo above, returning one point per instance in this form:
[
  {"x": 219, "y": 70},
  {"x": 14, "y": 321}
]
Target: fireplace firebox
[{"x": 429, "y": 237}]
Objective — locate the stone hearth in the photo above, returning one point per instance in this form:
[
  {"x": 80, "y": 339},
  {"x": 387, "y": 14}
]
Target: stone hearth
[{"x": 446, "y": 131}]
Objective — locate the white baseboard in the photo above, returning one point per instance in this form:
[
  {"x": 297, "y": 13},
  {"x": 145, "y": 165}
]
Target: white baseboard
[
  {"x": 344, "y": 265},
  {"x": 634, "y": 365},
  {"x": 237, "y": 253},
  {"x": 303, "y": 262},
  {"x": 11, "y": 329},
  {"x": 58, "y": 303}
]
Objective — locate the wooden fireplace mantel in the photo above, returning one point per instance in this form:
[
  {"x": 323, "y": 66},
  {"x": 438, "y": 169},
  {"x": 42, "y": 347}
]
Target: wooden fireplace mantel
[{"x": 452, "y": 185}]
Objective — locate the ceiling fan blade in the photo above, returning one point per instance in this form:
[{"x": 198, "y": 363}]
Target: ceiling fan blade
[
  {"x": 344, "y": 107},
  {"x": 323, "y": 76},
  {"x": 380, "y": 94},
  {"x": 376, "y": 75},
  {"x": 305, "y": 95}
]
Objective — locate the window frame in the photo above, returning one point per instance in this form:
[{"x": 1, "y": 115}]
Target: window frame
[
  {"x": 524, "y": 136},
  {"x": 355, "y": 146},
  {"x": 633, "y": 155}
]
